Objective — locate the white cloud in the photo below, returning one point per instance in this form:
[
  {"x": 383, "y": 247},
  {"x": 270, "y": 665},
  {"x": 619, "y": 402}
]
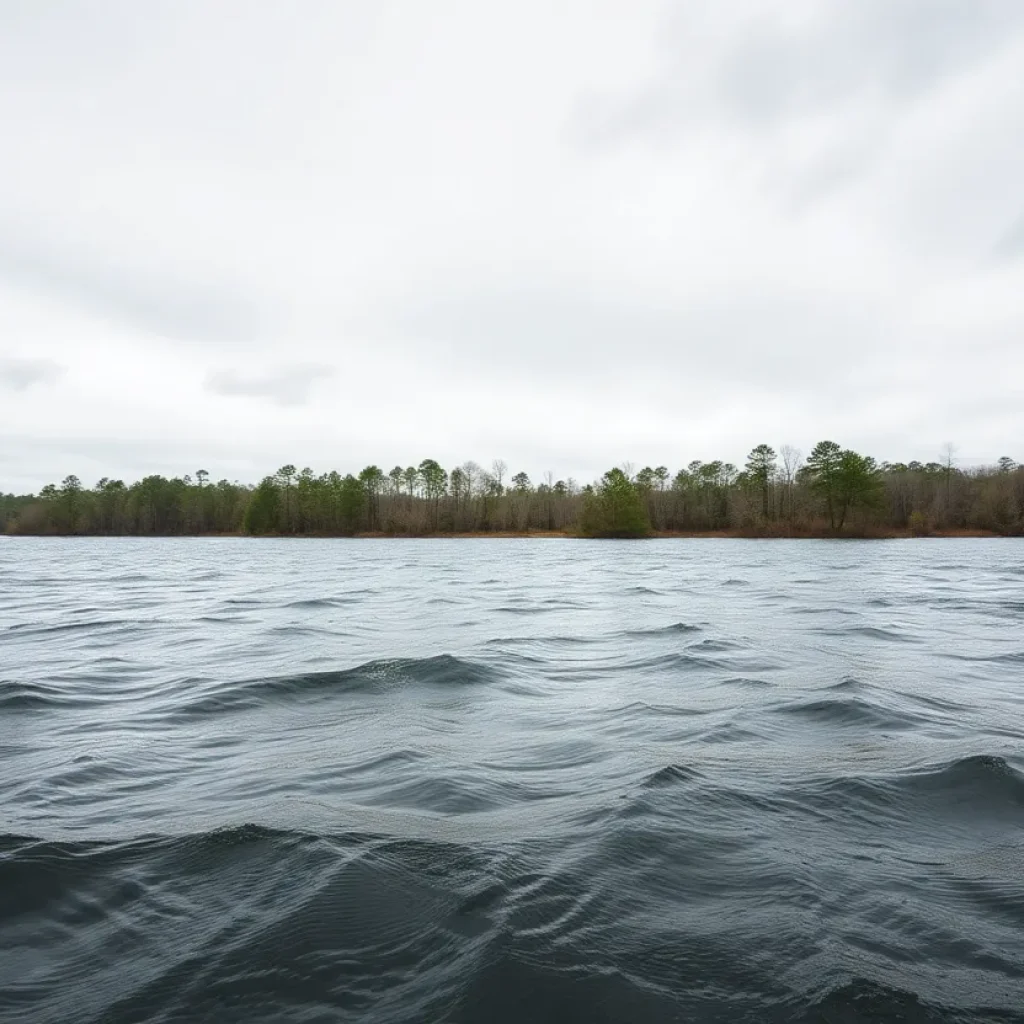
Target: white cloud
[{"x": 565, "y": 235}]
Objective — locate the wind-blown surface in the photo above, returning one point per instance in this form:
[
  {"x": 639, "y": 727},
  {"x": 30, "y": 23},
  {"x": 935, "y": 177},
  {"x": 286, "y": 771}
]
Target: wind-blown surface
[{"x": 511, "y": 780}]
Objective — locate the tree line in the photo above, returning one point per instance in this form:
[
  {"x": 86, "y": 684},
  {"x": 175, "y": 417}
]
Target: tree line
[{"x": 834, "y": 491}]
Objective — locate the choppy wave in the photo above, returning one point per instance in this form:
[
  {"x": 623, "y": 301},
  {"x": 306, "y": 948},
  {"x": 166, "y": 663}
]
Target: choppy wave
[
  {"x": 850, "y": 711},
  {"x": 981, "y": 777},
  {"x": 441, "y": 670},
  {"x": 663, "y": 631},
  {"x": 291, "y": 924},
  {"x": 31, "y": 696},
  {"x": 706, "y": 781}
]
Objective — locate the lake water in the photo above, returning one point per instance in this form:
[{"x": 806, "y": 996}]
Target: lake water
[{"x": 511, "y": 780}]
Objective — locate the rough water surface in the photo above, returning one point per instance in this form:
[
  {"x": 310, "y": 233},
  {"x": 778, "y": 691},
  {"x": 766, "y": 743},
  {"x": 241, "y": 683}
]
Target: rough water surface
[{"x": 511, "y": 780}]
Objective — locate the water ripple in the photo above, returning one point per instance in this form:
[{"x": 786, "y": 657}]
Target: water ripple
[{"x": 498, "y": 781}]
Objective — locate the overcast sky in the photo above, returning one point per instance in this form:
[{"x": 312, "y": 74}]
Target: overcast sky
[{"x": 565, "y": 233}]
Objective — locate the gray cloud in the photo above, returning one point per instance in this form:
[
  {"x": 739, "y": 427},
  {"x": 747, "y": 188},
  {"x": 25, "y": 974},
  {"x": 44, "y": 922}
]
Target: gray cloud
[
  {"x": 285, "y": 385},
  {"x": 140, "y": 294},
  {"x": 772, "y": 67},
  {"x": 576, "y": 339},
  {"x": 27, "y": 461},
  {"x": 1011, "y": 245},
  {"x": 20, "y": 374},
  {"x": 899, "y": 49}
]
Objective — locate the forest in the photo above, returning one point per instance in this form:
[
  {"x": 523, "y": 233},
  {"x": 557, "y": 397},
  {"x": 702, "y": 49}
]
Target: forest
[{"x": 834, "y": 491}]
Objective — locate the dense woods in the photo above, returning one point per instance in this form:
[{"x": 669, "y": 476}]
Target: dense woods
[{"x": 834, "y": 491}]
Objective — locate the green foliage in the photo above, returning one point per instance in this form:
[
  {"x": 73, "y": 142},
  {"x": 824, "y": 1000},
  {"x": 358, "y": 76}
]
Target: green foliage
[
  {"x": 850, "y": 490},
  {"x": 372, "y": 480},
  {"x": 350, "y": 504},
  {"x": 918, "y": 524},
  {"x": 15, "y": 508},
  {"x": 70, "y": 504},
  {"x": 822, "y": 470},
  {"x": 435, "y": 479},
  {"x": 842, "y": 479},
  {"x": 435, "y": 485},
  {"x": 859, "y": 483},
  {"x": 615, "y": 508},
  {"x": 263, "y": 513},
  {"x": 761, "y": 470}
]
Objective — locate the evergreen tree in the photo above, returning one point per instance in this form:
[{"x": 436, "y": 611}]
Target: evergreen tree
[
  {"x": 849, "y": 489},
  {"x": 615, "y": 508},
  {"x": 263, "y": 513},
  {"x": 761, "y": 470},
  {"x": 352, "y": 503},
  {"x": 858, "y": 482},
  {"x": 822, "y": 470}
]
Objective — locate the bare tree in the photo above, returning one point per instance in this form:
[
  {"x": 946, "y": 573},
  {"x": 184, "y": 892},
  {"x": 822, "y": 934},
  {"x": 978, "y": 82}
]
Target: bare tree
[
  {"x": 473, "y": 477},
  {"x": 792, "y": 459},
  {"x": 948, "y": 465},
  {"x": 549, "y": 497}
]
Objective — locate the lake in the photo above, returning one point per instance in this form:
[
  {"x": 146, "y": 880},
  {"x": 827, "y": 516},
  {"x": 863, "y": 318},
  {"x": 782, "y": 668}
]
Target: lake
[{"x": 511, "y": 780}]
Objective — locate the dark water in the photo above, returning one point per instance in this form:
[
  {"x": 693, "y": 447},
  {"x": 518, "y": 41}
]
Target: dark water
[{"x": 511, "y": 781}]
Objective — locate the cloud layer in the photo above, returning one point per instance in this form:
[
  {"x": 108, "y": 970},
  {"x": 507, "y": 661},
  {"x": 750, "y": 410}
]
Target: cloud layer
[
  {"x": 564, "y": 235},
  {"x": 285, "y": 385},
  {"x": 21, "y": 374}
]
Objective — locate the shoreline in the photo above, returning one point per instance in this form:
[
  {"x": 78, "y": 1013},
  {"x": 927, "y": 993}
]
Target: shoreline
[{"x": 730, "y": 534}]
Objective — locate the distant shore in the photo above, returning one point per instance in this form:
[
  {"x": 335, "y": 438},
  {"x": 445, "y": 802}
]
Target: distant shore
[
  {"x": 736, "y": 534},
  {"x": 835, "y": 492},
  {"x": 733, "y": 534}
]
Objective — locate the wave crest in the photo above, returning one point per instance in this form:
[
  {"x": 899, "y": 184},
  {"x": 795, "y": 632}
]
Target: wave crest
[{"x": 441, "y": 670}]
